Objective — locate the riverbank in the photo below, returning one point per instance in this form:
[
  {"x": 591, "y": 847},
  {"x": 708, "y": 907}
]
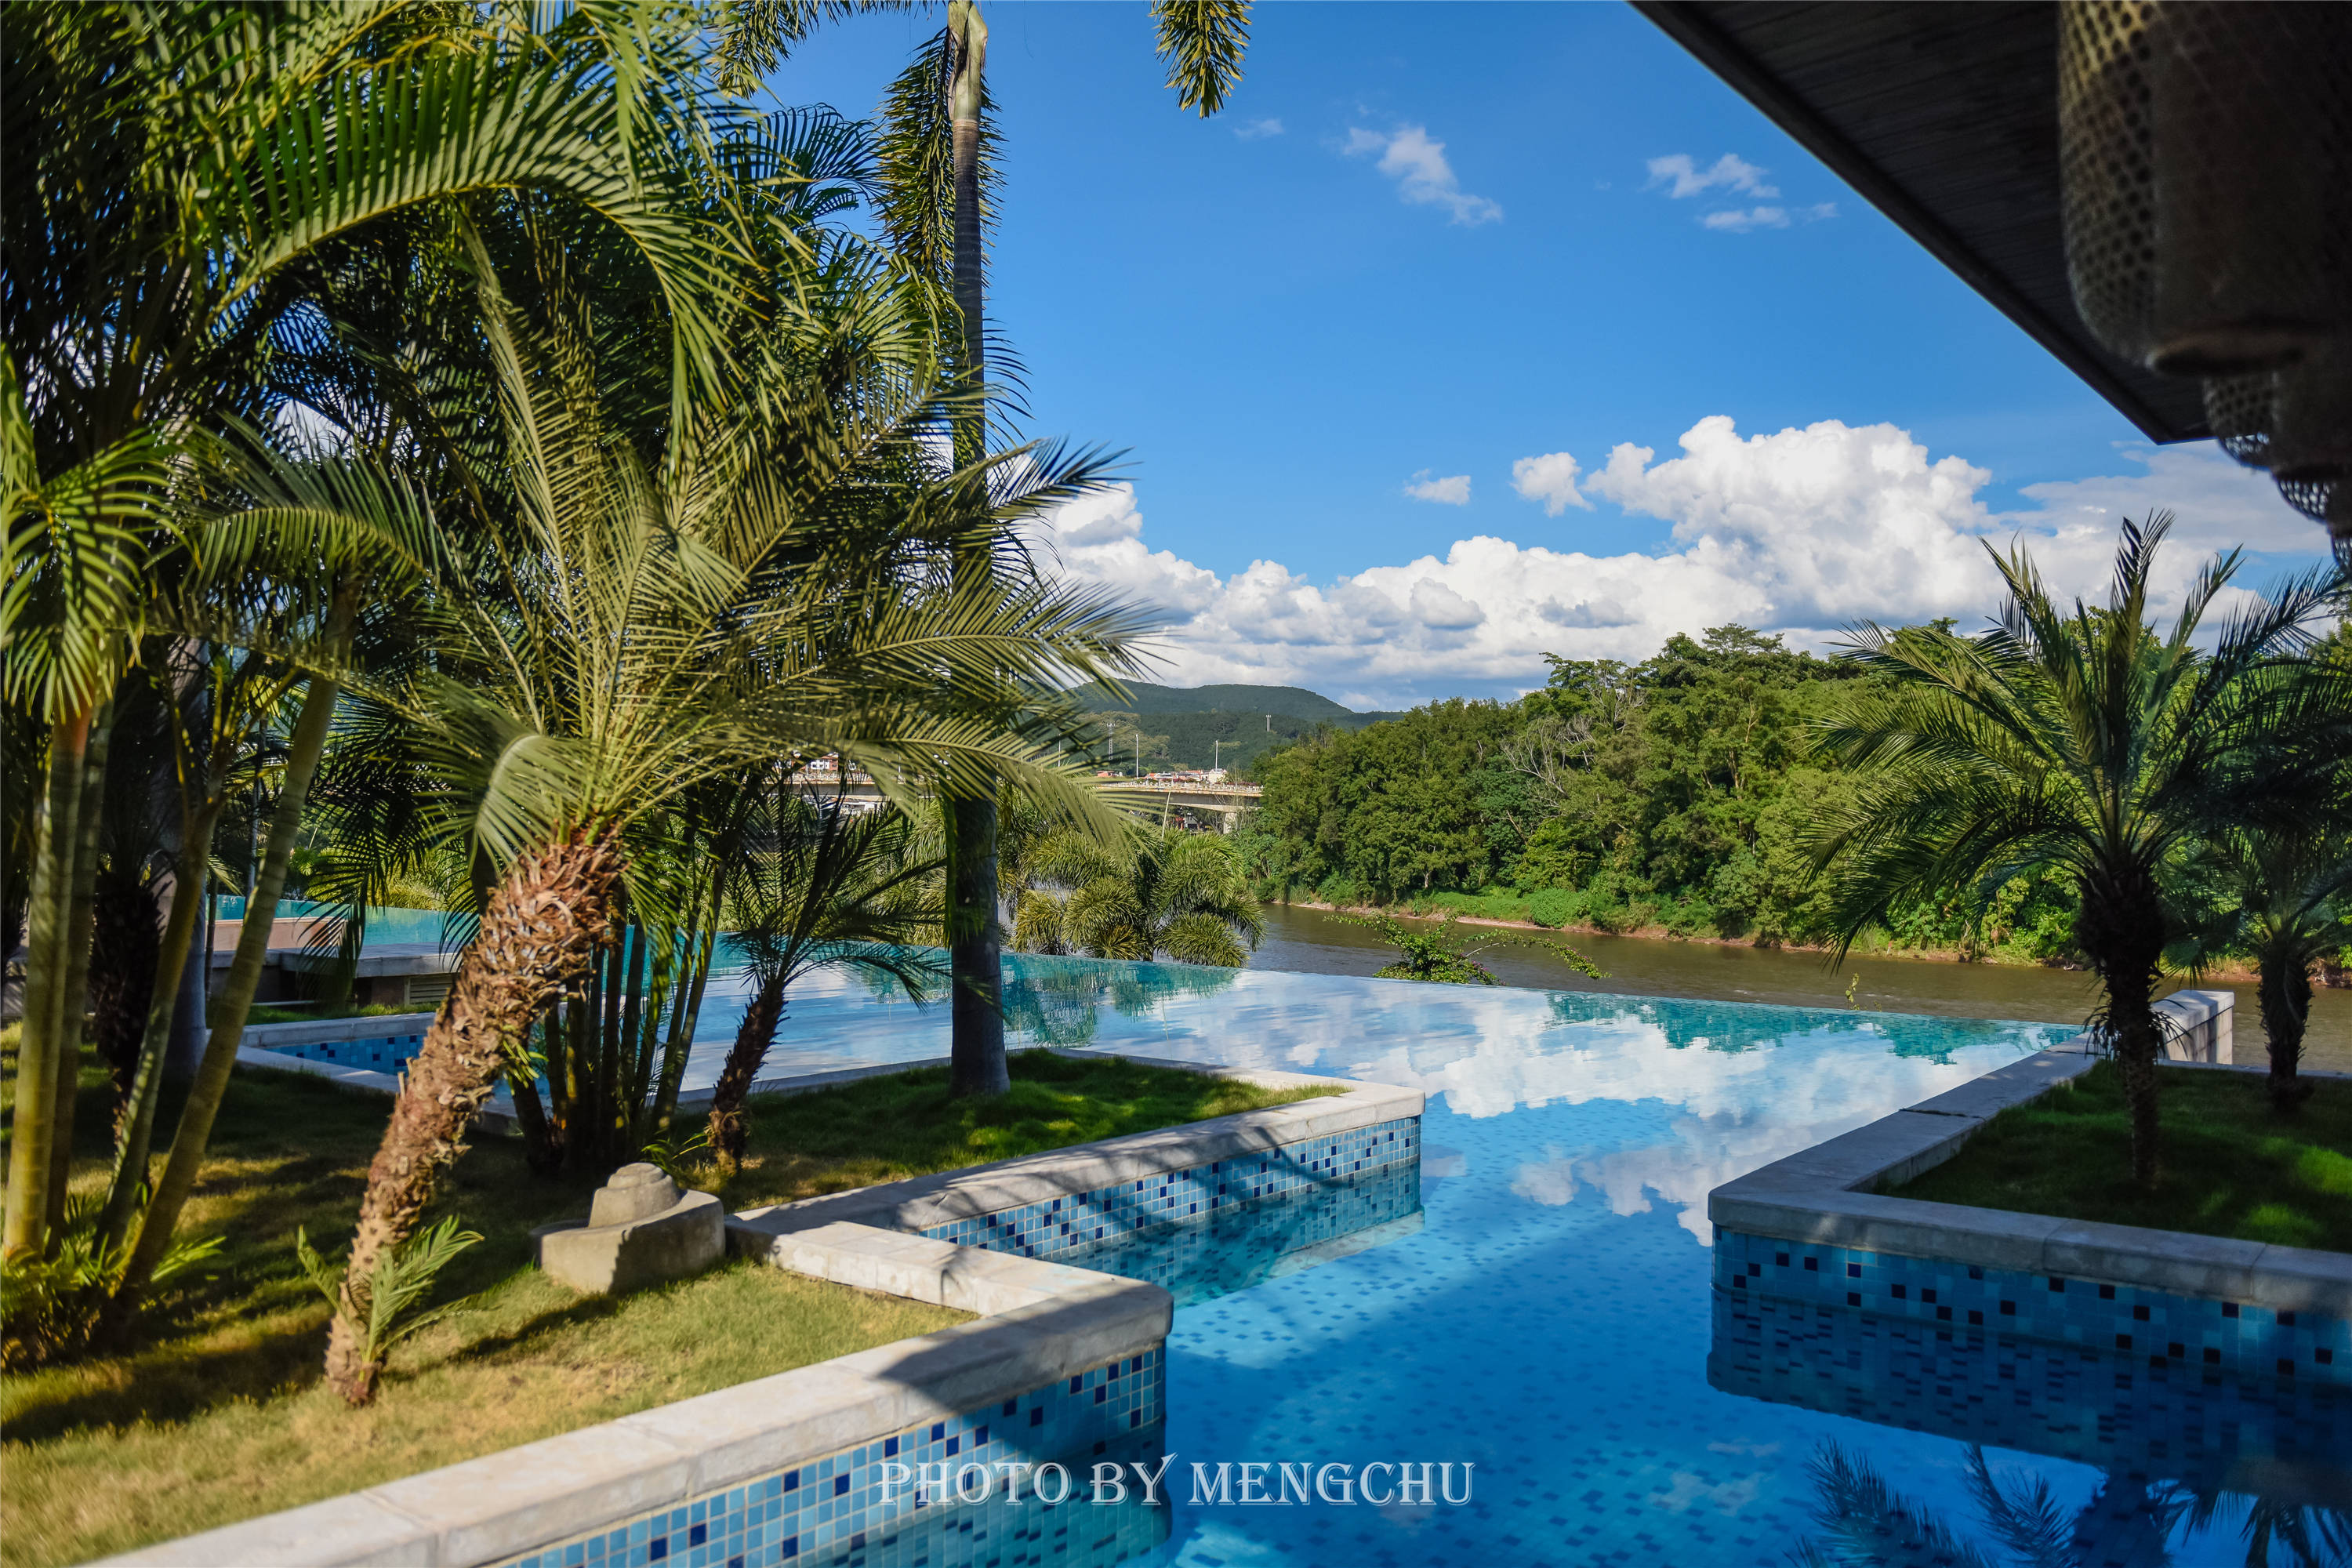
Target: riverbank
[
  {"x": 1660, "y": 933},
  {"x": 1321, "y": 942}
]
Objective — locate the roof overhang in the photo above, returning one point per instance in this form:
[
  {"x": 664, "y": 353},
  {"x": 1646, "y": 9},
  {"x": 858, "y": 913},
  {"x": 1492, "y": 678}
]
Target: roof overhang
[{"x": 1944, "y": 116}]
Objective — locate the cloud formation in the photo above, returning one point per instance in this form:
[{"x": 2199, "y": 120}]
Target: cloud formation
[
  {"x": 1423, "y": 176},
  {"x": 1680, "y": 172},
  {"x": 1800, "y": 531},
  {"x": 1453, "y": 490},
  {"x": 1253, "y": 130},
  {"x": 1741, "y": 220},
  {"x": 1551, "y": 480}
]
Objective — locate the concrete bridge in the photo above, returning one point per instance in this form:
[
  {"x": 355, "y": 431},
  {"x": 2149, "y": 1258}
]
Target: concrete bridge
[{"x": 1227, "y": 801}]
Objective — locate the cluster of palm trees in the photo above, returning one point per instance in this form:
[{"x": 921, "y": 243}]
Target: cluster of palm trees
[
  {"x": 2193, "y": 781},
  {"x": 478, "y": 426}
]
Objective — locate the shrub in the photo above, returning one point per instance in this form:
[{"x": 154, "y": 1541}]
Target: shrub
[{"x": 1555, "y": 907}]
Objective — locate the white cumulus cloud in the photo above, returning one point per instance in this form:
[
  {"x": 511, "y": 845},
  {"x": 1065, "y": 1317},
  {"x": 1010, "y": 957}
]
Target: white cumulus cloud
[
  {"x": 1741, "y": 220},
  {"x": 1801, "y": 532},
  {"x": 1551, "y": 480},
  {"x": 1252, "y": 130},
  {"x": 1419, "y": 168},
  {"x": 1453, "y": 490},
  {"x": 1680, "y": 173}
]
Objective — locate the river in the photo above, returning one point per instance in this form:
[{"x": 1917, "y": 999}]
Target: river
[{"x": 1316, "y": 943}]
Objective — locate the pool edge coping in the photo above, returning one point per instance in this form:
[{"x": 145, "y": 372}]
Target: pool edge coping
[
  {"x": 1035, "y": 1321},
  {"x": 1829, "y": 1195}
]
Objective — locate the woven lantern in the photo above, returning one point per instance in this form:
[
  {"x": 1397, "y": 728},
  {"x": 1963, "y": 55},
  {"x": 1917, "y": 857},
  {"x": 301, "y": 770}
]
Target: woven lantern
[{"x": 2206, "y": 151}]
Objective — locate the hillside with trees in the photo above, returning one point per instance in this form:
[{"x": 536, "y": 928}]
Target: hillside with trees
[
  {"x": 1674, "y": 795},
  {"x": 1208, "y": 726}
]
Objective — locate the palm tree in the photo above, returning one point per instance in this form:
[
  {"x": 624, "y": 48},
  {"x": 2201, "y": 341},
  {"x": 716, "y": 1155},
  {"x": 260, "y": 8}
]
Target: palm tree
[
  {"x": 937, "y": 171},
  {"x": 837, "y": 891},
  {"x": 2085, "y": 743},
  {"x": 2288, "y": 884},
  {"x": 177, "y": 171},
  {"x": 689, "y": 581},
  {"x": 1163, "y": 893}
]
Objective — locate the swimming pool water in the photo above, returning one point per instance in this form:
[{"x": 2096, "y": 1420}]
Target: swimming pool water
[{"x": 1544, "y": 1312}]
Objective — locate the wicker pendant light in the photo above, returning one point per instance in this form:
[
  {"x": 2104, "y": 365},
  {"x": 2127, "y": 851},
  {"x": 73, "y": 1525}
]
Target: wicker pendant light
[{"x": 2206, "y": 151}]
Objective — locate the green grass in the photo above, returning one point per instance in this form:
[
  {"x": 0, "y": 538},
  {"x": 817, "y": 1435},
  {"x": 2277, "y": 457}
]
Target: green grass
[
  {"x": 218, "y": 1415},
  {"x": 2230, "y": 1165}
]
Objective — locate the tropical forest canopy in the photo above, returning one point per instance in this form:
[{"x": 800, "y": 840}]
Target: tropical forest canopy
[{"x": 1675, "y": 794}]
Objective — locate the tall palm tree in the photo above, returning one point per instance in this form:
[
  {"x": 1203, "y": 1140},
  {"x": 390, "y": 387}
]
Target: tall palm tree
[
  {"x": 938, "y": 174},
  {"x": 176, "y": 171},
  {"x": 1164, "y": 893},
  {"x": 675, "y": 599},
  {"x": 2087, "y": 741}
]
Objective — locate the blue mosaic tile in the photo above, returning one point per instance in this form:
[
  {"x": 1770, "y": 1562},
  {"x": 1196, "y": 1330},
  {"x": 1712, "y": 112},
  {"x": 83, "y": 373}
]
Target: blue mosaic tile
[
  {"x": 1115, "y": 1417},
  {"x": 1057, "y": 1225},
  {"x": 389, "y": 1053},
  {"x": 2232, "y": 1337},
  {"x": 2117, "y": 1410}
]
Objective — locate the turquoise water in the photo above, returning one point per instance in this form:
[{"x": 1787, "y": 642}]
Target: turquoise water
[
  {"x": 1537, "y": 1303},
  {"x": 1543, "y": 1312}
]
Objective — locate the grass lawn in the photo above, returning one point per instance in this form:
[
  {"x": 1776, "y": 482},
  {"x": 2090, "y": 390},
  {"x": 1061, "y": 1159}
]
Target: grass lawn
[
  {"x": 2229, "y": 1166},
  {"x": 218, "y": 1415}
]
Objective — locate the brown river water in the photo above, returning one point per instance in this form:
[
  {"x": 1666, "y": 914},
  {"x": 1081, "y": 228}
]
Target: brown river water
[{"x": 1316, "y": 943}]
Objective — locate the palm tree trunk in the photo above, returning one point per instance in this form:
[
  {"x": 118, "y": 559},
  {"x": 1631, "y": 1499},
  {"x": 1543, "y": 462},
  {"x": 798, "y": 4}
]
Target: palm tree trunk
[
  {"x": 80, "y": 921},
  {"x": 2284, "y": 989},
  {"x": 48, "y": 933},
  {"x": 753, "y": 1037},
  {"x": 304, "y": 750},
  {"x": 189, "y": 897},
  {"x": 539, "y": 934},
  {"x": 975, "y": 947}
]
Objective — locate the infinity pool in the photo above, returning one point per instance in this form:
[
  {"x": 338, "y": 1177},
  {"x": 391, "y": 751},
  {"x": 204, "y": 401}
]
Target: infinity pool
[{"x": 1543, "y": 1312}]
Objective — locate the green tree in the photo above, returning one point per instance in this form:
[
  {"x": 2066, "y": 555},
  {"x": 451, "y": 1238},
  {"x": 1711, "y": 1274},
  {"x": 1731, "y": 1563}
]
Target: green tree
[
  {"x": 176, "y": 171},
  {"x": 2087, "y": 741},
  {"x": 937, "y": 171},
  {"x": 1449, "y": 955}
]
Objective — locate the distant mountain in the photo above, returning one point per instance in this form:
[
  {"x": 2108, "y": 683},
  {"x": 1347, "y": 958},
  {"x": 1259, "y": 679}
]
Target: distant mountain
[
  {"x": 1292, "y": 701},
  {"x": 1205, "y": 726}
]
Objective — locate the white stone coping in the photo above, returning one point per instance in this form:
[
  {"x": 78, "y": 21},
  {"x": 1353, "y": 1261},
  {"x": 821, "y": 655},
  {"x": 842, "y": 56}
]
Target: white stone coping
[
  {"x": 1831, "y": 1195},
  {"x": 921, "y": 1202},
  {"x": 306, "y": 1032},
  {"x": 1044, "y": 1323}
]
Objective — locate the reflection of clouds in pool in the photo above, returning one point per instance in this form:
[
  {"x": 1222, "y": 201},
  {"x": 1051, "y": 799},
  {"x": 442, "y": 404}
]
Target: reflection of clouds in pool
[{"x": 1746, "y": 1084}]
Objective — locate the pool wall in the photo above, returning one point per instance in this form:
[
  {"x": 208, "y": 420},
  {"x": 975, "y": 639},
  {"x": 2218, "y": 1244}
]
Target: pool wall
[
  {"x": 1817, "y": 1229},
  {"x": 2117, "y": 1410},
  {"x": 811, "y": 1466}
]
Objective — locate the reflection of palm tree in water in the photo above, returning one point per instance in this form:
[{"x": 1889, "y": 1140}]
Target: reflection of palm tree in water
[
  {"x": 2128, "y": 1523},
  {"x": 1058, "y": 1000}
]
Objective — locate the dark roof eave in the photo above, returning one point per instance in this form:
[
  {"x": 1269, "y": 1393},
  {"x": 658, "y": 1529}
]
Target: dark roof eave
[{"x": 1689, "y": 25}]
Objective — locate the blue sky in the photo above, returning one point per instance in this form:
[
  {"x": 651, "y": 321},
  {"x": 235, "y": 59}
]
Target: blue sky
[{"x": 1428, "y": 245}]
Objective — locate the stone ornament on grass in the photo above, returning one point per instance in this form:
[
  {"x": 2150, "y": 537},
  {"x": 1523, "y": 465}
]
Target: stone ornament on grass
[{"x": 640, "y": 1230}]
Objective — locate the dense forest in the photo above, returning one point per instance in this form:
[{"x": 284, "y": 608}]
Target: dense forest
[{"x": 1671, "y": 794}]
